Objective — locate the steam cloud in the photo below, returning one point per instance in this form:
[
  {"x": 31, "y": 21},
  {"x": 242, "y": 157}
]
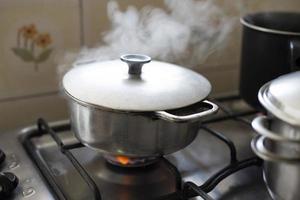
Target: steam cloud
[{"x": 187, "y": 32}]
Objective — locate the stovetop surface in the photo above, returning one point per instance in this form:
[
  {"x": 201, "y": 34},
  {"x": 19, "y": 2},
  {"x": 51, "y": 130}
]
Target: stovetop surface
[{"x": 197, "y": 162}]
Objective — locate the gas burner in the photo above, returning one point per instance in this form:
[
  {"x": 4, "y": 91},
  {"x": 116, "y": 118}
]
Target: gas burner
[
  {"x": 77, "y": 172},
  {"x": 147, "y": 182},
  {"x": 127, "y": 161}
]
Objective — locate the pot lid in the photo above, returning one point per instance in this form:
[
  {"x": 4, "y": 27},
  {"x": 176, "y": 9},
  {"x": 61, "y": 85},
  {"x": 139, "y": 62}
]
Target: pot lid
[
  {"x": 136, "y": 84},
  {"x": 282, "y": 97}
]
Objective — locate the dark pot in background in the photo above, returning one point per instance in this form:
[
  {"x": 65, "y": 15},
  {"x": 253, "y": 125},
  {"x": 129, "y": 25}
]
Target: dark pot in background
[{"x": 270, "y": 48}]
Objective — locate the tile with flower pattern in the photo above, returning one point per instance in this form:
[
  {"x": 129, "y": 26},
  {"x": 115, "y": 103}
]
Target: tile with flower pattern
[
  {"x": 32, "y": 46},
  {"x": 34, "y": 37}
]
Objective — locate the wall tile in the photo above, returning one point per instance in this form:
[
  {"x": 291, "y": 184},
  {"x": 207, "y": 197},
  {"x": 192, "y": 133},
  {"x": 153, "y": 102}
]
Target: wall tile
[
  {"x": 44, "y": 27},
  {"x": 223, "y": 81},
  {"x": 20, "y": 113},
  {"x": 229, "y": 56},
  {"x": 96, "y": 21},
  {"x": 274, "y": 5}
]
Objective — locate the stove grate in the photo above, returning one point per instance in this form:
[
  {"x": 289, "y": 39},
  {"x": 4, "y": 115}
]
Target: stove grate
[{"x": 185, "y": 190}]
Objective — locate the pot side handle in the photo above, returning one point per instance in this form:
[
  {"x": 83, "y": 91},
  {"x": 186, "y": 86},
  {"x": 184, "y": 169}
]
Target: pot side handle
[
  {"x": 294, "y": 55},
  {"x": 259, "y": 125},
  {"x": 187, "y": 118},
  {"x": 258, "y": 147}
]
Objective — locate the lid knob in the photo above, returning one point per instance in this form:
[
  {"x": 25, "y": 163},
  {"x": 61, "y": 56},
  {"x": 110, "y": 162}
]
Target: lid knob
[{"x": 135, "y": 62}]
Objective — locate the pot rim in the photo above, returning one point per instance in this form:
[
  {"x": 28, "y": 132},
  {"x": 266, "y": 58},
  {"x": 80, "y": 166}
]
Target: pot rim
[
  {"x": 98, "y": 107},
  {"x": 260, "y": 124},
  {"x": 275, "y": 107},
  {"x": 149, "y": 113},
  {"x": 258, "y": 147},
  {"x": 244, "y": 21}
]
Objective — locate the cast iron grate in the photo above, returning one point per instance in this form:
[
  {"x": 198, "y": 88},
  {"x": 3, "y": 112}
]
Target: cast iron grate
[{"x": 185, "y": 190}]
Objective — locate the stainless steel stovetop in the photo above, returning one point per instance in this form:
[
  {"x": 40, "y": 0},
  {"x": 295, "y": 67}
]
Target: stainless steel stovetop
[{"x": 196, "y": 163}]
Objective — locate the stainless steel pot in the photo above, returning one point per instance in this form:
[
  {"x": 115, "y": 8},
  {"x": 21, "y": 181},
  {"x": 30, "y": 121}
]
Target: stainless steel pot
[
  {"x": 279, "y": 140},
  {"x": 282, "y": 161},
  {"x": 133, "y": 111}
]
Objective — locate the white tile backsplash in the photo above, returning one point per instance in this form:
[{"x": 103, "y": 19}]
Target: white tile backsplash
[
  {"x": 61, "y": 19},
  {"x": 19, "y": 113},
  {"x": 32, "y": 34},
  {"x": 96, "y": 20}
]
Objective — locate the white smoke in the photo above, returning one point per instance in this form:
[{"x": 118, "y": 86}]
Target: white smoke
[{"x": 187, "y": 32}]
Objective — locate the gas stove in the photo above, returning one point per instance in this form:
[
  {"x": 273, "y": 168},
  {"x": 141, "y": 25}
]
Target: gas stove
[{"x": 50, "y": 163}]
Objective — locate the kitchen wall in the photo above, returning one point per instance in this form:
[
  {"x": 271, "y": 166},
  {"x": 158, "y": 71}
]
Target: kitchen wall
[{"x": 34, "y": 34}]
